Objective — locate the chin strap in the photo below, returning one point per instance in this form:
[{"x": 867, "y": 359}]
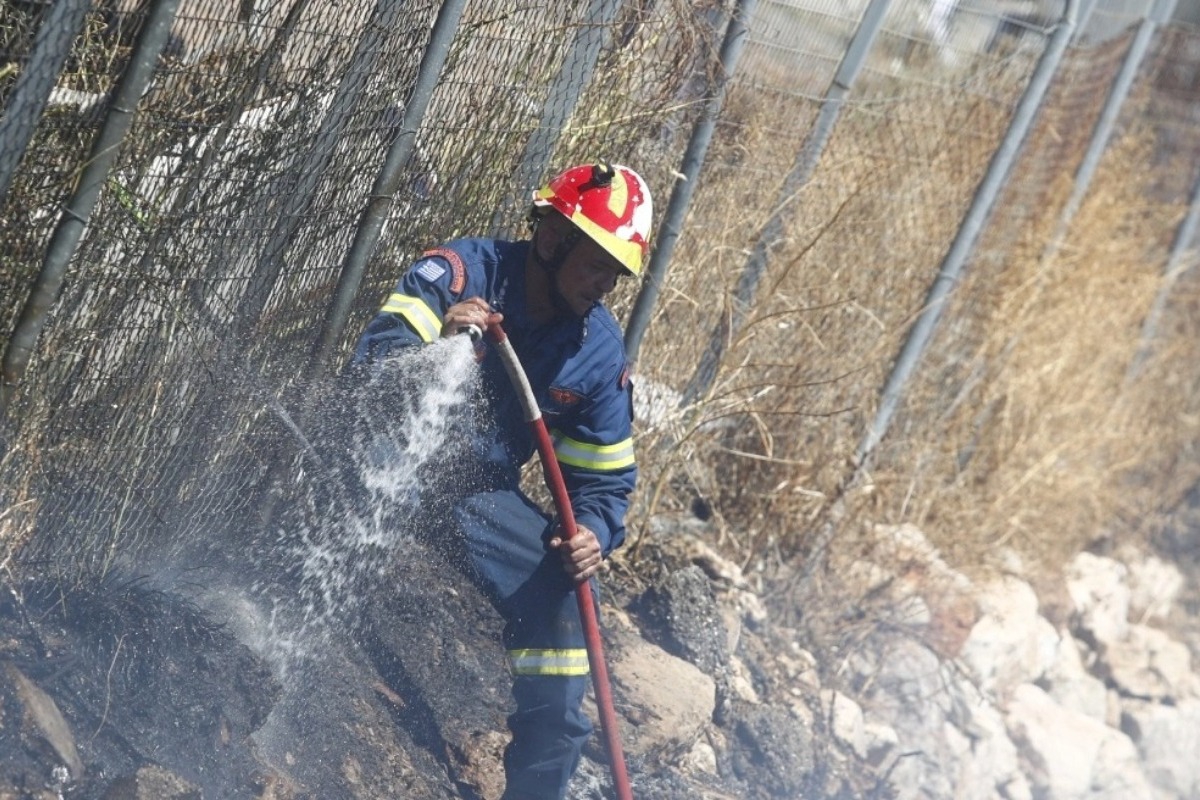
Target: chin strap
[{"x": 554, "y": 263}]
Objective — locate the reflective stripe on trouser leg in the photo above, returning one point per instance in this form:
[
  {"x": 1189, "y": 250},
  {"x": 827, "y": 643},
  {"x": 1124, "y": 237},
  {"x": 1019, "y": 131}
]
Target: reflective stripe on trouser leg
[{"x": 504, "y": 534}]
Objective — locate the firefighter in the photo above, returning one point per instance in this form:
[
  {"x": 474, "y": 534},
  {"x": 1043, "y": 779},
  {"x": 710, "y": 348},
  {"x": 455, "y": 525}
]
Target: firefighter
[{"x": 590, "y": 225}]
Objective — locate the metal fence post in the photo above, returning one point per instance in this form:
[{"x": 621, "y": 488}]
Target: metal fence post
[
  {"x": 734, "y": 42},
  {"x": 311, "y": 171},
  {"x": 371, "y": 223},
  {"x": 76, "y": 215},
  {"x": 1086, "y": 7},
  {"x": 379, "y": 202},
  {"x": 561, "y": 99},
  {"x": 51, "y": 46},
  {"x": 1175, "y": 266},
  {"x": 976, "y": 218},
  {"x": 806, "y": 161},
  {"x": 1159, "y": 13}
]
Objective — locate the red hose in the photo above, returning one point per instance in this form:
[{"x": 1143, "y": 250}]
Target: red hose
[{"x": 566, "y": 516}]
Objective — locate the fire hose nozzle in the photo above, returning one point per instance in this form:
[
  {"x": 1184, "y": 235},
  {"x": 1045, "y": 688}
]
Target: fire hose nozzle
[{"x": 474, "y": 331}]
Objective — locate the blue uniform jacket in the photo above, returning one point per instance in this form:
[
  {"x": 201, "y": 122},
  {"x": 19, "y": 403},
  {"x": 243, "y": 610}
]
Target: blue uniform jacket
[{"x": 577, "y": 369}]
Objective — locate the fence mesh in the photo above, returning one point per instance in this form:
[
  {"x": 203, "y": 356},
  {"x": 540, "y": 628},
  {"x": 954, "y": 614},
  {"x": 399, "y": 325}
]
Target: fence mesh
[{"x": 206, "y": 272}]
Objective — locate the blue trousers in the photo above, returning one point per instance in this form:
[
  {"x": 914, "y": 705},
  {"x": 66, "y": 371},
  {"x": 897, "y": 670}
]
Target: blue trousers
[{"x": 504, "y": 534}]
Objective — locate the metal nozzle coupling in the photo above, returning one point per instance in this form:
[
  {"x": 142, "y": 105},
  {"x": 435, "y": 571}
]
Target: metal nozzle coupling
[{"x": 474, "y": 331}]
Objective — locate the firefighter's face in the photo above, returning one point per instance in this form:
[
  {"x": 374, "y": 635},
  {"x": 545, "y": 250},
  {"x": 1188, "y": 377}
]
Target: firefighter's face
[{"x": 587, "y": 275}]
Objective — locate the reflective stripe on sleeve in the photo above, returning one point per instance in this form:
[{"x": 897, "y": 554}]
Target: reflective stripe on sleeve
[
  {"x": 548, "y": 662},
  {"x": 417, "y": 313},
  {"x": 599, "y": 457}
]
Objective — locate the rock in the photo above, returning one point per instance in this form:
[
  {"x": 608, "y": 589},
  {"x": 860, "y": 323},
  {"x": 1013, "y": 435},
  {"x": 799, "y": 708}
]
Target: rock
[
  {"x": 990, "y": 764},
  {"x": 720, "y": 570},
  {"x": 952, "y": 618},
  {"x": 772, "y": 751},
  {"x": 906, "y": 690},
  {"x": 1100, "y": 596},
  {"x": 481, "y": 761},
  {"x": 683, "y": 610},
  {"x": 42, "y": 719},
  {"x": 738, "y": 683},
  {"x": 881, "y": 743},
  {"x": 1071, "y": 685},
  {"x": 702, "y": 758},
  {"x": 1070, "y": 756},
  {"x": 1148, "y": 664},
  {"x": 434, "y": 641},
  {"x": 799, "y": 666},
  {"x": 152, "y": 783},
  {"x": 1154, "y": 586},
  {"x": 1168, "y": 738},
  {"x": 951, "y": 743},
  {"x": 408, "y": 699},
  {"x": 845, "y": 720},
  {"x": 950, "y": 740},
  {"x": 665, "y": 703},
  {"x": 919, "y": 588},
  {"x": 1011, "y": 643}
]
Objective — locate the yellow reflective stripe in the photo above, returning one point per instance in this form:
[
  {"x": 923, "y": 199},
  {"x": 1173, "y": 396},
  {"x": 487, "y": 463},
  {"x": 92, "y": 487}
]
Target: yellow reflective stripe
[
  {"x": 600, "y": 457},
  {"x": 548, "y": 662},
  {"x": 417, "y": 313}
]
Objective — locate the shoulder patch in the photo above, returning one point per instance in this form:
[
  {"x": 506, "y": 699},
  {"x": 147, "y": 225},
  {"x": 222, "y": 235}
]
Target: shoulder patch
[
  {"x": 564, "y": 397},
  {"x": 430, "y": 270},
  {"x": 459, "y": 281}
]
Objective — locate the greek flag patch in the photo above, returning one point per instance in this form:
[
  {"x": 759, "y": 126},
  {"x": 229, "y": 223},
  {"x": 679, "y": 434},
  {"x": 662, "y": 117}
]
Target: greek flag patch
[{"x": 430, "y": 270}]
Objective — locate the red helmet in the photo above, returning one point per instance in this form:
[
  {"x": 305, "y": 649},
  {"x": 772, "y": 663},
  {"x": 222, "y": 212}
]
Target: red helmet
[{"x": 608, "y": 202}]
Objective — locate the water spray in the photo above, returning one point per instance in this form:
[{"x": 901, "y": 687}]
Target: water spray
[
  {"x": 360, "y": 479},
  {"x": 290, "y": 424},
  {"x": 566, "y": 517}
]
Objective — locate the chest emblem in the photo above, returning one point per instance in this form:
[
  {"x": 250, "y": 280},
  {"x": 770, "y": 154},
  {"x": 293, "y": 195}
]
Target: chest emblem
[{"x": 564, "y": 397}]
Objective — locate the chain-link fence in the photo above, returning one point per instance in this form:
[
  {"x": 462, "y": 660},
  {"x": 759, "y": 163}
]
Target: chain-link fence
[{"x": 183, "y": 255}]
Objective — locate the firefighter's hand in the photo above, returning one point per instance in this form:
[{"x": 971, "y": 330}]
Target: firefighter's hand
[
  {"x": 473, "y": 311},
  {"x": 581, "y": 555}
]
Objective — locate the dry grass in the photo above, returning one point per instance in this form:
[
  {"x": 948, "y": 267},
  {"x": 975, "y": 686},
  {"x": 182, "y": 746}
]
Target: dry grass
[
  {"x": 1018, "y": 432},
  {"x": 800, "y": 377},
  {"x": 1045, "y": 447}
]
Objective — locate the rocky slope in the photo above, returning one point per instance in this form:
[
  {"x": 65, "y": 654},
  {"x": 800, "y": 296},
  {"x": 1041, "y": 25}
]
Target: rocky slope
[{"x": 946, "y": 688}]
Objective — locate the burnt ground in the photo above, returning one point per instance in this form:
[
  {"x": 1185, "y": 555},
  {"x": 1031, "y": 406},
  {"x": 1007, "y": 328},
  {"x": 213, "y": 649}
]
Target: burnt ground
[
  {"x": 140, "y": 676},
  {"x": 144, "y": 676},
  {"x": 223, "y": 669},
  {"x": 127, "y": 689}
]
